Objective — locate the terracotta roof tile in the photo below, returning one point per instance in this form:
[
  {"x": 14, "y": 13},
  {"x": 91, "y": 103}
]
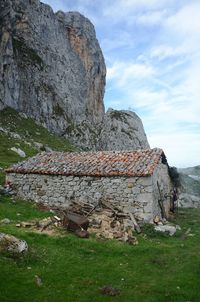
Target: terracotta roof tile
[{"x": 101, "y": 163}]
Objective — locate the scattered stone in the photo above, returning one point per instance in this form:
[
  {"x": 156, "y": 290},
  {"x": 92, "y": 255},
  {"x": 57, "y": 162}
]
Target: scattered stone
[
  {"x": 18, "y": 151},
  {"x": 113, "y": 224},
  {"x": 178, "y": 227},
  {"x": 133, "y": 240},
  {"x": 12, "y": 244},
  {"x": 38, "y": 280},
  {"x": 166, "y": 229},
  {"x": 109, "y": 291},
  {"x": 3, "y": 130},
  {"x": 44, "y": 223},
  {"x": 39, "y": 146},
  {"x": 156, "y": 219},
  {"x": 27, "y": 224},
  {"x": 6, "y": 221},
  {"x": 15, "y": 135},
  {"x": 22, "y": 114},
  {"x": 47, "y": 148}
]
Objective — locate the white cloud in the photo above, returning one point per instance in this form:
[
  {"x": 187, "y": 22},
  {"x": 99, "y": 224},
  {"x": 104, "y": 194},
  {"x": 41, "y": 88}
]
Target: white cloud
[
  {"x": 186, "y": 21},
  {"x": 165, "y": 51},
  {"x": 151, "y": 18},
  {"x": 122, "y": 9},
  {"x": 124, "y": 72},
  {"x": 120, "y": 39}
]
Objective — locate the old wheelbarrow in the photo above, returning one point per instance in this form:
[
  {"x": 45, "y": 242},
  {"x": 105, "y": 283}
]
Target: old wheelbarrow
[{"x": 76, "y": 223}]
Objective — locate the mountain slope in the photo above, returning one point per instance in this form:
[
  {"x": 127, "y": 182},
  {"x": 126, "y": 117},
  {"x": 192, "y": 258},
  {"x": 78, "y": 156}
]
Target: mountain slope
[{"x": 21, "y": 132}]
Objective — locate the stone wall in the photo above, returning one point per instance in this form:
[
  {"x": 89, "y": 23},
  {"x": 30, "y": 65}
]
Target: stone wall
[
  {"x": 132, "y": 194},
  {"x": 161, "y": 176}
]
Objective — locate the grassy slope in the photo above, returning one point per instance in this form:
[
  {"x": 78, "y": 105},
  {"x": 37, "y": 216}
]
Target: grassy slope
[
  {"x": 158, "y": 269},
  {"x": 29, "y": 132}
]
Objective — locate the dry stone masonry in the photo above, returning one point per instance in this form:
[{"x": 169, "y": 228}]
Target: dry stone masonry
[{"x": 128, "y": 180}]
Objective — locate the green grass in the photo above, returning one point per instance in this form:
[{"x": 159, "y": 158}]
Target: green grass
[
  {"x": 160, "y": 268},
  {"x": 29, "y": 133}
]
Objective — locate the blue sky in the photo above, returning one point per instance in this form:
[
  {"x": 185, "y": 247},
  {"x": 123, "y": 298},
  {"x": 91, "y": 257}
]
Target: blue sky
[{"x": 152, "y": 54}]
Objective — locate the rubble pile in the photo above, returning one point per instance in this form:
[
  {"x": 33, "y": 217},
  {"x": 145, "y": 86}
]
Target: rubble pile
[
  {"x": 107, "y": 221},
  {"x": 103, "y": 219}
]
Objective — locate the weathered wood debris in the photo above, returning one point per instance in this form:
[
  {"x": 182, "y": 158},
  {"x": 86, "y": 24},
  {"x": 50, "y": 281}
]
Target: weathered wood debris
[
  {"x": 82, "y": 219},
  {"x": 105, "y": 221}
]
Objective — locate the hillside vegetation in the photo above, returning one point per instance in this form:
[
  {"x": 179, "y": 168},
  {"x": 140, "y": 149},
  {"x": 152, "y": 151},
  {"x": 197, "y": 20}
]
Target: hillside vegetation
[
  {"x": 19, "y": 131},
  {"x": 160, "y": 268}
]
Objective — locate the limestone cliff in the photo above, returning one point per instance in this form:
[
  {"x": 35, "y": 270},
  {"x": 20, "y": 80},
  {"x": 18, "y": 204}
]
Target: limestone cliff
[
  {"x": 52, "y": 69},
  {"x": 122, "y": 130},
  {"x": 189, "y": 187}
]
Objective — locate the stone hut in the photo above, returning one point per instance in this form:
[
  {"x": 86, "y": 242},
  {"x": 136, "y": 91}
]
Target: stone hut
[{"x": 136, "y": 181}]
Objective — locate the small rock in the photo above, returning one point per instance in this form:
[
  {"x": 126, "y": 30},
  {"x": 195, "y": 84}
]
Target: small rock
[
  {"x": 25, "y": 224},
  {"x": 15, "y": 135},
  {"x": 3, "y": 130},
  {"x": 166, "y": 229},
  {"x": 133, "y": 240},
  {"x": 156, "y": 219},
  {"x": 109, "y": 291},
  {"x": 39, "y": 146},
  {"x": 18, "y": 151},
  {"x": 118, "y": 235},
  {"x": 6, "y": 221},
  {"x": 47, "y": 148},
  {"x": 38, "y": 280},
  {"x": 12, "y": 244}
]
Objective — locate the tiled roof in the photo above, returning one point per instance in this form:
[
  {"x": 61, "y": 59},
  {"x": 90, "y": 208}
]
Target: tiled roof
[{"x": 101, "y": 163}]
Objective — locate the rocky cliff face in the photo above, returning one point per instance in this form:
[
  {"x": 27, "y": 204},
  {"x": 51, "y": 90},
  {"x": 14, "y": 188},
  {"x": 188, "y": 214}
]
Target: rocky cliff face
[
  {"x": 122, "y": 130},
  {"x": 189, "y": 187},
  {"x": 52, "y": 69}
]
